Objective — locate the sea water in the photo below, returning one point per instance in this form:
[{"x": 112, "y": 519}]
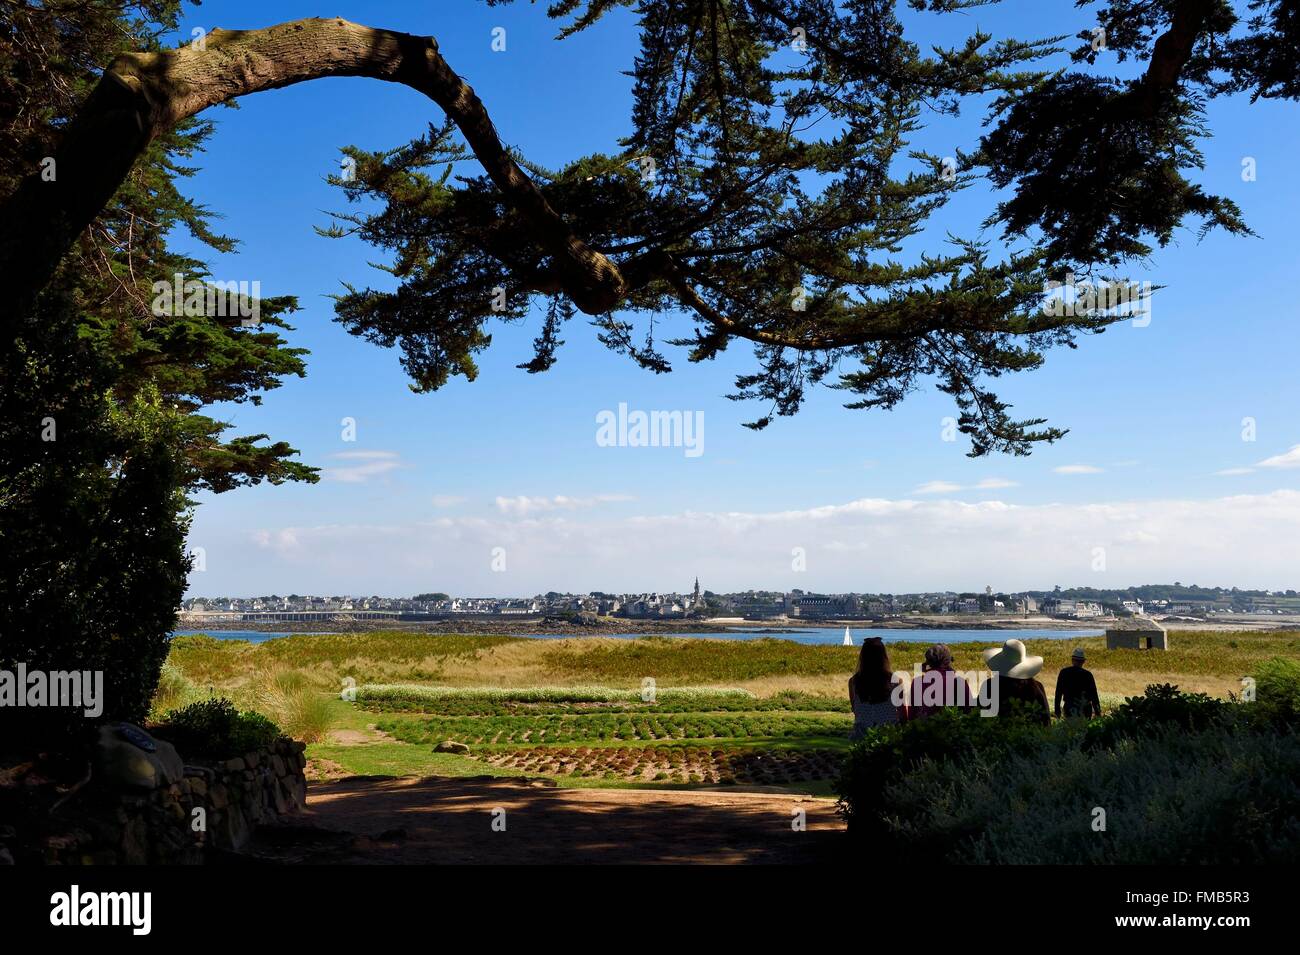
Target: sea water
[{"x": 833, "y": 635}]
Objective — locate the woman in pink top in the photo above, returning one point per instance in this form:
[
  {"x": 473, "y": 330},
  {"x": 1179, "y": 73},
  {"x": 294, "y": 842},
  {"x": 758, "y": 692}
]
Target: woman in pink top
[{"x": 939, "y": 685}]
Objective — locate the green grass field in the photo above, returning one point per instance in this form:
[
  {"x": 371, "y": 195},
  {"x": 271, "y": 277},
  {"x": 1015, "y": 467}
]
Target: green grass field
[{"x": 766, "y": 712}]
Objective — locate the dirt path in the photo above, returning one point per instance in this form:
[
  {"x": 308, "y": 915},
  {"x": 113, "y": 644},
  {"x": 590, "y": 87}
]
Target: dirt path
[{"x": 384, "y": 820}]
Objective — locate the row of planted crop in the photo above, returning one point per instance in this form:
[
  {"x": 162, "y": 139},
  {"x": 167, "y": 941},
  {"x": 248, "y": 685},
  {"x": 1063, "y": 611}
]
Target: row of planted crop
[
  {"x": 492, "y": 701},
  {"x": 566, "y": 728}
]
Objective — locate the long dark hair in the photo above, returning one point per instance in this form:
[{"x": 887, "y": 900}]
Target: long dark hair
[{"x": 874, "y": 680}]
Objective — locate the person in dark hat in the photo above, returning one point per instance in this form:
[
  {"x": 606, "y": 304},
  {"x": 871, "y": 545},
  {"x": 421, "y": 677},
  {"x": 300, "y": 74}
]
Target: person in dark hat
[{"x": 1077, "y": 687}]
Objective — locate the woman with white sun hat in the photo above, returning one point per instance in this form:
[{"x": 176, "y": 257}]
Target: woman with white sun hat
[{"x": 1012, "y": 688}]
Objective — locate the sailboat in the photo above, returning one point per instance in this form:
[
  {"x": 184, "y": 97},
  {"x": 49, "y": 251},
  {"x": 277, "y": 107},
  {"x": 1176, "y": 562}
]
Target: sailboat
[{"x": 848, "y": 640}]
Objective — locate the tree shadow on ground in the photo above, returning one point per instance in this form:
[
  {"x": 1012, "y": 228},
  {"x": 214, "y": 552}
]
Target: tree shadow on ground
[{"x": 488, "y": 820}]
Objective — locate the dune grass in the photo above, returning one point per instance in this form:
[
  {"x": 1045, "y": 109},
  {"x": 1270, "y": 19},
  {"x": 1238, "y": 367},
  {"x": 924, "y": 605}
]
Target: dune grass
[
  {"x": 299, "y": 709},
  {"x": 1194, "y": 654},
  {"x": 764, "y": 666},
  {"x": 326, "y": 659},
  {"x": 292, "y": 698}
]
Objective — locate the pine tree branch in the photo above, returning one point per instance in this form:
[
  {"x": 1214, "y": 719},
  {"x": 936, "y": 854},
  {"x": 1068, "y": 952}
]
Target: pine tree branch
[
  {"x": 1169, "y": 56},
  {"x": 144, "y": 94}
]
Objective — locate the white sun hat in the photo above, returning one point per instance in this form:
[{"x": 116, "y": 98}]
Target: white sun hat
[{"x": 1013, "y": 661}]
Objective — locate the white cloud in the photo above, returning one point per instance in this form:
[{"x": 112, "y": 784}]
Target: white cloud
[
  {"x": 523, "y": 506},
  {"x": 284, "y": 540},
  {"x": 1288, "y": 459},
  {"x": 373, "y": 464},
  {"x": 1077, "y": 469},
  {"x": 937, "y": 487},
  {"x": 948, "y": 487},
  {"x": 870, "y": 544}
]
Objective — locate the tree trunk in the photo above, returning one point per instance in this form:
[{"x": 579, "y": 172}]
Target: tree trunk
[{"x": 142, "y": 94}]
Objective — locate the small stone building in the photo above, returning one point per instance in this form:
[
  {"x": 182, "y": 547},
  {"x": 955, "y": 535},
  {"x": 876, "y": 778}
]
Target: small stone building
[{"x": 1136, "y": 633}]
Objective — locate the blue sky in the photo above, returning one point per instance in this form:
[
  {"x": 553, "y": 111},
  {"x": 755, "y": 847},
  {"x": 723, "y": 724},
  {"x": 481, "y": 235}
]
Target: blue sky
[{"x": 875, "y": 501}]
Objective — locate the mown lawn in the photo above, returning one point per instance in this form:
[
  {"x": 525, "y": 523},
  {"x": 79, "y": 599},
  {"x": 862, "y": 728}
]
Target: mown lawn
[{"x": 400, "y": 759}]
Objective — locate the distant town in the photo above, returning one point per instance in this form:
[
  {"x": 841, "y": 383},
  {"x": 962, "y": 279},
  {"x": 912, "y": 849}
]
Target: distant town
[{"x": 1156, "y": 600}]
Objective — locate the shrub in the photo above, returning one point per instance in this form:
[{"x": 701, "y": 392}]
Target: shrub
[
  {"x": 253, "y": 731},
  {"x": 1220, "y": 795},
  {"x": 1161, "y": 706},
  {"x": 1182, "y": 778},
  {"x": 1277, "y": 690},
  {"x": 889, "y": 752},
  {"x": 215, "y": 729},
  {"x": 92, "y": 523}
]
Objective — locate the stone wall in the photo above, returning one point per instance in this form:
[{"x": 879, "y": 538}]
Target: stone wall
[{"x": 161, "y": 811}]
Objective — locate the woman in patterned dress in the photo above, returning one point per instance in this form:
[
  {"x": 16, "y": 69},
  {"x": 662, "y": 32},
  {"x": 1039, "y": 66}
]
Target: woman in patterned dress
[{"x": 878, "y": 697}]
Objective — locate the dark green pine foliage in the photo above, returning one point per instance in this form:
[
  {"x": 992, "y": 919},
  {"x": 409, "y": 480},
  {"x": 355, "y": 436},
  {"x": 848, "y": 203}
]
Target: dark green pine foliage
[
  {"x": 92, "y": 526},
  {"x": 51, "y": 55},
  {"x": 102, "y": 430},
  {"x": 765, "y": 193},
  {"x": 1099, "y": 164}
]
